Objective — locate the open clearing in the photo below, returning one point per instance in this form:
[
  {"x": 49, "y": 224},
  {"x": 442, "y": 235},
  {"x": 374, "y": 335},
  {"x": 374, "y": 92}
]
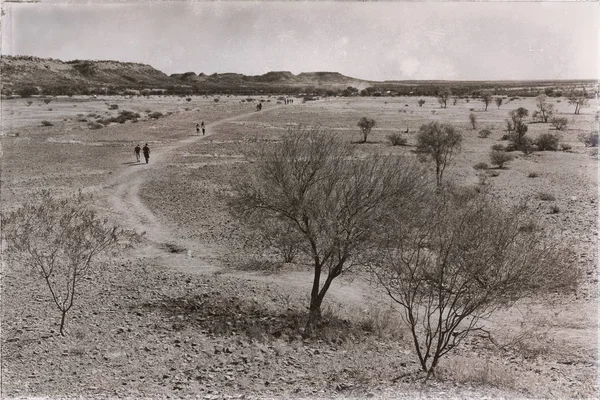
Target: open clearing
[{"x": 155, "y": 322}]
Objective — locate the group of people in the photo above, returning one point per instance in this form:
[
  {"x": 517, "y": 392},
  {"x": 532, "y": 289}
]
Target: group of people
[
  {"x": 145, "y": 150},
  {"x": 259, "y": 107},
  {"x": 200, "y": 127},
  {"x": 289, "y": 101}
]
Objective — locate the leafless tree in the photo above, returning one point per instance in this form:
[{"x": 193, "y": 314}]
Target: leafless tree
[
  {"x": 59, "y": 240},
  {"x": 440, "y": 142},
  {"x": 459, "y": 259},
  {"x": 337, "y": 202},
  {"x": 366, "y": 124},
  {"x": 544, "y": 108},
  {"x": 560, "y": 123}
]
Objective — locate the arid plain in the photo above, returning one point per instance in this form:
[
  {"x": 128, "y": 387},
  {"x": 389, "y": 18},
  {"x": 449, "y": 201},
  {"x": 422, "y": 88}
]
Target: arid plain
[{"x": 192, "y": 311}]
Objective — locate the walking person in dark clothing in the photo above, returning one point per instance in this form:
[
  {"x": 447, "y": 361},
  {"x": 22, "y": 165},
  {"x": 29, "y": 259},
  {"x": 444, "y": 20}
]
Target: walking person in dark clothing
[
  {"x": 198, "y": 129},
  {"x": 146, "y": 151},
  {"x": 136, "y": 151},
  {"x": 203, "y": 128}
]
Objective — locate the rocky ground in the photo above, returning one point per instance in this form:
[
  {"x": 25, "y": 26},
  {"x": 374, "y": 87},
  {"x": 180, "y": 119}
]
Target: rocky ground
[{"x": 159, "y": 322}]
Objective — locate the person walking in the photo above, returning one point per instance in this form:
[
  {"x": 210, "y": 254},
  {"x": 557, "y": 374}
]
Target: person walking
[
  {"x": 203, "y": 128},
  {"x": 198, "y": 129},
  {"x": 146, "y": 151},
  {"x": 136, "y": 151}
]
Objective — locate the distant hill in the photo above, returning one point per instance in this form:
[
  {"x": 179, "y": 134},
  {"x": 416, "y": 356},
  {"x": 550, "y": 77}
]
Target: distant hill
[
  {"x": 26, "y": 75},
  {"x": 52, "y": 76}
]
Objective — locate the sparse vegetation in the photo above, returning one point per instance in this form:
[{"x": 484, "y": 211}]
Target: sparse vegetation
[
  {"x": 47, "y": 123},
  {"x": 545, "y": 196},
  {"x": 480, "y": 165},
  {"x": 443, "y": 97},
  {"x": 487, "y": 98},
  {"x": 93, "y": 125},
  {"x": 113, "y": 107},
  {"x": 500, "y": 158},
  {"x": 155, "y": 115},
  {"x": 498, "y": 101},
  {"x": 421, "y": 102},
  {"x": 545, "y": 109}
]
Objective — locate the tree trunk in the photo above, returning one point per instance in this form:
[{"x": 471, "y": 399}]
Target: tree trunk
[{"x": 62, "y": 322}]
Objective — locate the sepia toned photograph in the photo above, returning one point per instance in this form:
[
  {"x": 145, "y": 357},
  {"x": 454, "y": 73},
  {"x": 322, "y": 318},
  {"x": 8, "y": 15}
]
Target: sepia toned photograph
[{"x": 299, "y": 200}]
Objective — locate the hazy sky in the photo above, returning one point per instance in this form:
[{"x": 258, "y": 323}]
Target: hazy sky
[{"x": 378, "y": 41}]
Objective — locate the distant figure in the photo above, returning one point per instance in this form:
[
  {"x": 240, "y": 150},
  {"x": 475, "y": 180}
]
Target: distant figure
[
  {"x": 198, "y": 129},
  {"x": 406, "y": 130},
  {"x": 203, "y": 128},
  {"x": 146, "y": 151},
  {"x": 137, "y": 152}
]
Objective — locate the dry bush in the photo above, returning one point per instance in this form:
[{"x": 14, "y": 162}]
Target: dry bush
[
  {"x": 155, "y": 115},
  {"x": 547, "y": 142},
  {"x": 545, "y": 196},
  {"x": 47, "y": 123},
  {"x": 59, "y": 240},
  {"x": 94, "y": 125},
  {"x": 481, "y": 165},
  {"x": 113, "y": 107},
  {"x": 589, "y": 139},
  {"x": 500, "y": 158},
  {"x": 560, "y": 123},
  {"x": 396, "y": 139},
  {"x": 498, "y": 147},
  {"x": 484, "y": 133},
  {"x": 459, "y": 259},
  {"x": 532, "y": 175},
  {"x": 313, "y": 184}
]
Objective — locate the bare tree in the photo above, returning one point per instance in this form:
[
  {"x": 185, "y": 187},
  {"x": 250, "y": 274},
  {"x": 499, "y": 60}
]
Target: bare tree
[
  {"x": 459, "y": 259},
  {"x": 579, "y": 100},
  {"x": 336, "y": 202},
  {"x": 421, "y": 102},
  {"x": 544, "y": 108},
  {"x": 440, "y": 142},
  {"x": 487, "y": 98},
  {"x": 443, "y": 97},
  {"x": 366, "y": 124},
  {"x": 498, "y": 101},
  {"x": 59, "y": 240}
]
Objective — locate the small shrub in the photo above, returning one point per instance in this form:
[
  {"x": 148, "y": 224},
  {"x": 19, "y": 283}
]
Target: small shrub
[
  {"x": 188, "y": 99},
  {"x": 82, "y": 120},
  {"x": 532, "y": 175},
  {"x": 498, "y": 147},
  {"x": 547, "y": 142},
  {"x": 506, "y": 136},
  {"x": 396, "y": 139},
  {"x": 545, "y": 196},
  {"x": 484, "y": 133},
  {"x": 29, "y": 103},
  {"x": 565, "y": 147},
  {"x": 554, "y": 209},
  {"x": 113, "y": 107},
  {"x": 480, "y": 165},
  {"x": 155, "y": 115},
  {"x": 589, "y": 139},
  {"x": 47, "y": 101},
  {"x": 560, "y": 123},
  {"x": 95, "y": 125},
  {"x": 216, "y": 100},
  {"x": 500, "y": 158},
  {"x": 493, "y": 173},
  {"x": 47, "y": 123}
]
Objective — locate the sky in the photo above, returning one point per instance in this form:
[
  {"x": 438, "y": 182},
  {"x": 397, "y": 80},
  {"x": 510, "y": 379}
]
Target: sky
[{"x": 374, "y": 41}]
